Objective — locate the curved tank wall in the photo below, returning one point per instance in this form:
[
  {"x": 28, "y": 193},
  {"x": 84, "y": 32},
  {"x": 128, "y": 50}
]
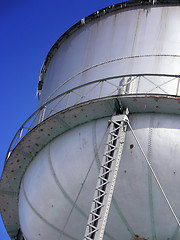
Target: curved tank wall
[
  {"x": 118, "y": 59},
  {"x": 142, "y": 40},
  {"x": 57, "y": 189}
]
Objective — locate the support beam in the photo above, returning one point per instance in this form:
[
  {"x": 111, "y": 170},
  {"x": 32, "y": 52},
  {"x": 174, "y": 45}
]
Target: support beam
[
  {"x": 107, "y": 178},
  {"x": 19, "y": 236}
]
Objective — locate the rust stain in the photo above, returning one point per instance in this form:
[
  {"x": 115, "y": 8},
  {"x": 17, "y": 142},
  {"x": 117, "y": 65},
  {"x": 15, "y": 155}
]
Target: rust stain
[
  {"x": 156, "y": 99},
  {"x": 136, "y": 33},
  {"x": 139, "y": 238},
  {"x": 131, "y": 147}
]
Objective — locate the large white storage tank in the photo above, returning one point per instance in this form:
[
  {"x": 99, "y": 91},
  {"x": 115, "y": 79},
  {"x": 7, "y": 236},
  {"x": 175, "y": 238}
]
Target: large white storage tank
[{"x": 124, "y": 56}]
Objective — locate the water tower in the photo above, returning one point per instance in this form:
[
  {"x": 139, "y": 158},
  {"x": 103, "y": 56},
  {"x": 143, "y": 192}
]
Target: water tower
[{"x": 99, "y": 159}]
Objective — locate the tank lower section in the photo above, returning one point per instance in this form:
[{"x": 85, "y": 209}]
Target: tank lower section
[{"x": 58, "y": 187}]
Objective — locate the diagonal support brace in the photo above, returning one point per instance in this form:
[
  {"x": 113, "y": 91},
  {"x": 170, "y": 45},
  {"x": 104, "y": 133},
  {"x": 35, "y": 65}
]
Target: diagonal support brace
[{"x": 107, "y": 178}]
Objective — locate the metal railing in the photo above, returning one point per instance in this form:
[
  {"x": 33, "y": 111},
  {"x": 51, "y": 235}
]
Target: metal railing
[{"x": 117, "y": 85}]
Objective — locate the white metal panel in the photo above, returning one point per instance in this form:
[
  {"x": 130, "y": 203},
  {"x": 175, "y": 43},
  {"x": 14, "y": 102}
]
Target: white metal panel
[
  {"x": 138, "y": 206},
  {"x": 59, "y": 172},
  {"x": 125, "y": 42}
]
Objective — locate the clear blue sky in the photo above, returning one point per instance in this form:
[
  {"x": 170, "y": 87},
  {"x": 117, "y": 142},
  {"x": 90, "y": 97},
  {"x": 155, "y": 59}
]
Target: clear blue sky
[{"x": 28, "y": 29}]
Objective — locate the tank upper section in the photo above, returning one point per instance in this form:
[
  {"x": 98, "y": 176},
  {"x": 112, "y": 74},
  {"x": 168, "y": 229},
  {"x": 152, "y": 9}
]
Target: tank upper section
[
  {"x": 105, "y": 11},
  {"x": 128, "y": 48},
  {"x": 102, "y": 12}
]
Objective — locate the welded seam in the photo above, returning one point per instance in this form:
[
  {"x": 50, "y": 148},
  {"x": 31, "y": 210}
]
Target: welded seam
[
  {"x": 122, "y": 217},
  {"x": 136, "y": 31},
  {"x": 73, "y": 203},
  {"x": 175, "y": 233},
  {"x": 154, "y": 175},
  {"x": 131, "y": 86},
  {"x": 41, "y": 217},
  {"x": 96, "y": 153},
  {"x": 109, "y": 236},
  {"x": 151, "y": 207},
  {"x": 59, "y": 184}
]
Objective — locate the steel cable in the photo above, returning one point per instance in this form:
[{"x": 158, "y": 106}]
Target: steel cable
[{"x": 154, "y": 174}]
